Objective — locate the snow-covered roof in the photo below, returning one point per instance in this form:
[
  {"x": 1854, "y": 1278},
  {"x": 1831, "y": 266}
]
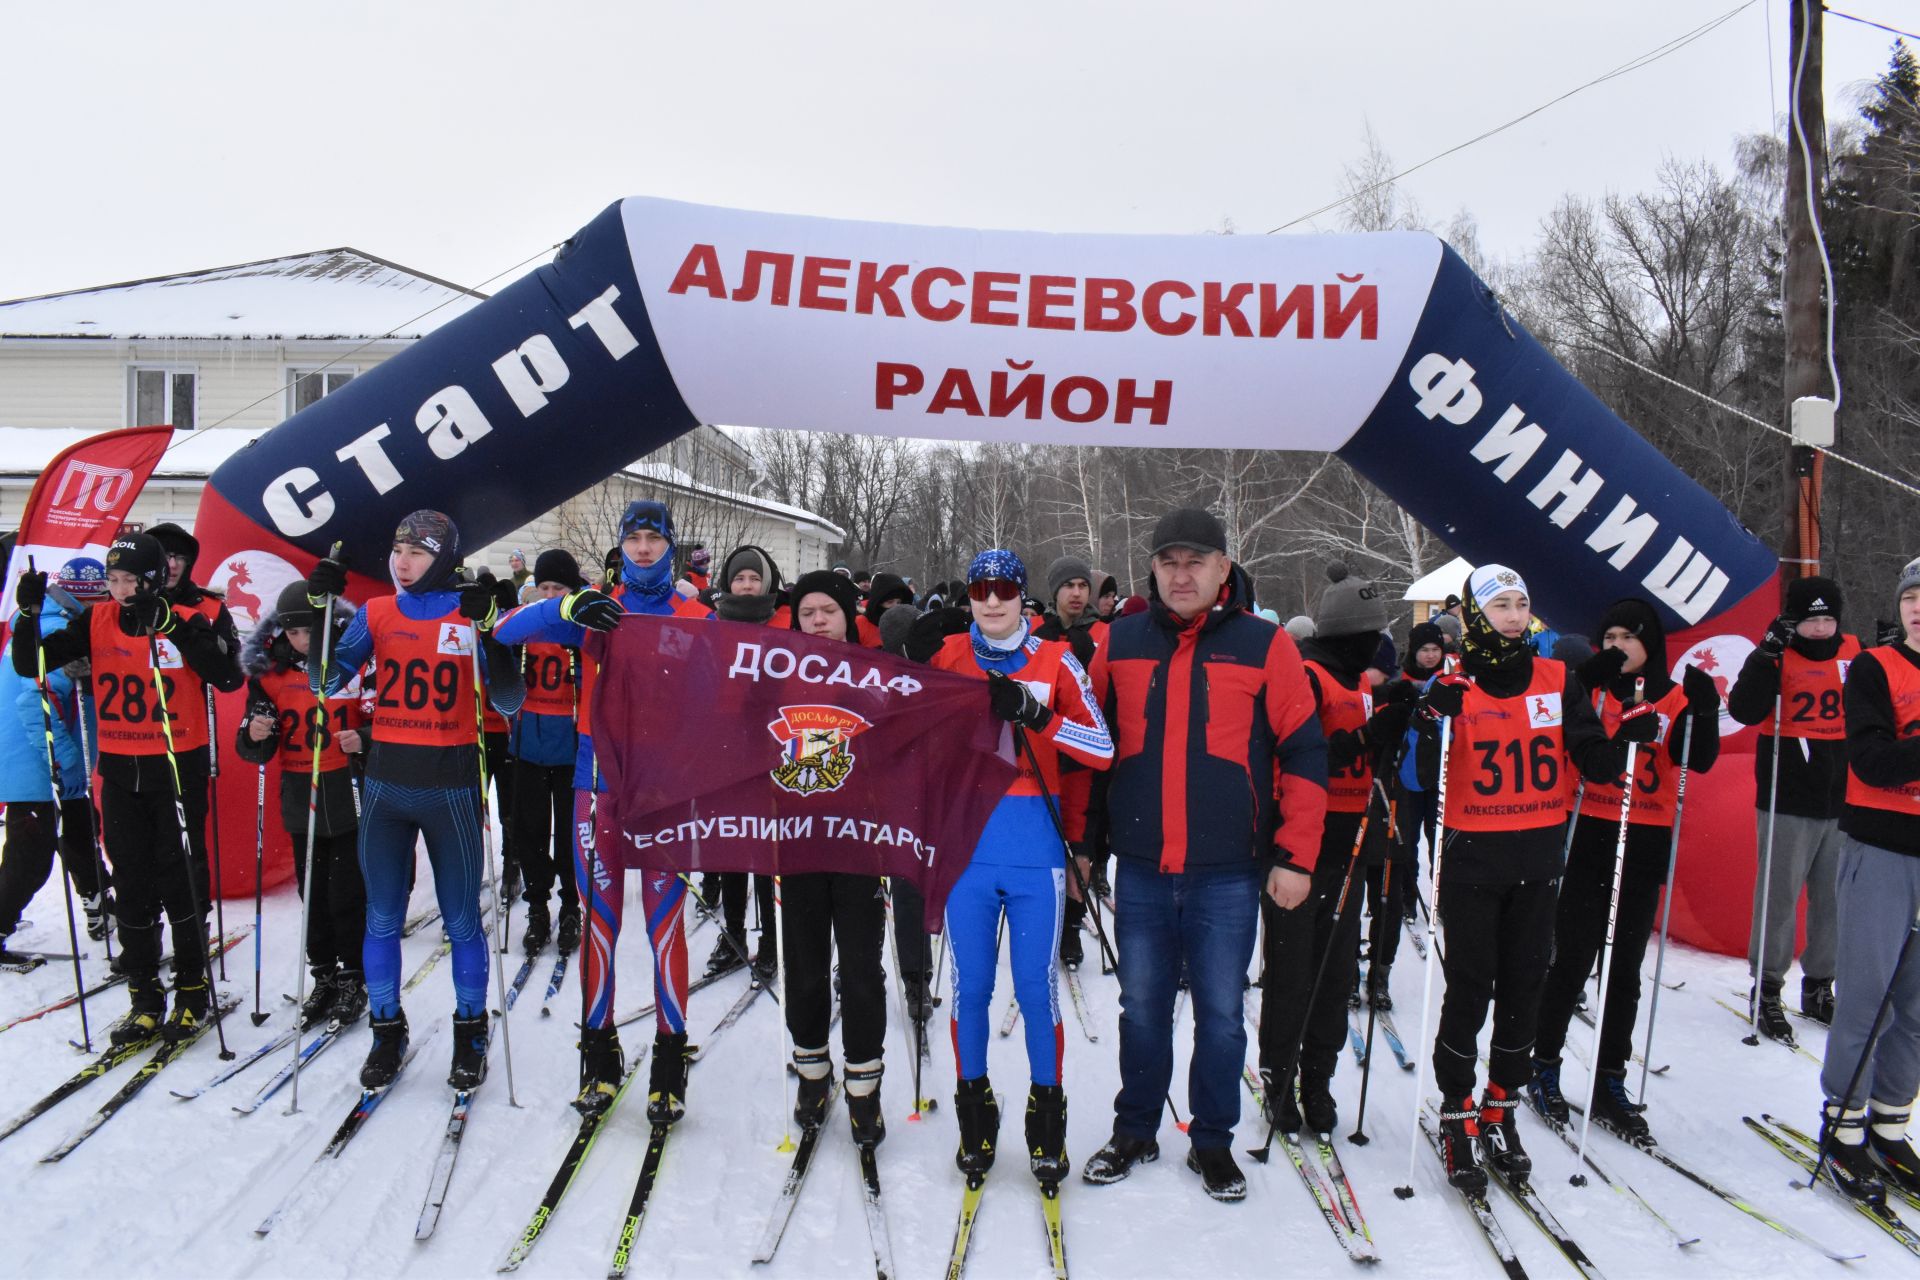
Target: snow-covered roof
[
  {"x": 26, "y": 451},
  {"x": 1441, "y": 583},
  {"x": 327, "y": 294},
  {"x": 661, "y": 473}
]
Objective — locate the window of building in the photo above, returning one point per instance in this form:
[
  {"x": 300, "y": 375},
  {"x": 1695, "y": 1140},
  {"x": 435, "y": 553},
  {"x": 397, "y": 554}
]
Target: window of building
[
  {"x": 306, "y": 386},
  {"x": 163, "y": 395}
]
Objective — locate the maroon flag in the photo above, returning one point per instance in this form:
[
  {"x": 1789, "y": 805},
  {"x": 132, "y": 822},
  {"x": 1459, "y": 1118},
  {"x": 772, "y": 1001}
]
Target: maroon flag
[{"x": 730, "y": 747}]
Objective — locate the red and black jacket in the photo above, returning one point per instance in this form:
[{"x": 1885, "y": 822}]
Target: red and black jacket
[{"x": 1219, "y": 758}]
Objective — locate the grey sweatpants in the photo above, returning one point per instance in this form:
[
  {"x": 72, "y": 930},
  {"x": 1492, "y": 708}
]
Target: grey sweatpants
[
  {"x": 1879, "y": 894},
  {"x": 1805, "y": 852}
]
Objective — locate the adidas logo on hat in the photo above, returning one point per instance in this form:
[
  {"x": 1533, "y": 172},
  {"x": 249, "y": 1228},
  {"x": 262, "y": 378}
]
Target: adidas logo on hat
[{"x": 1818, "y": 604}]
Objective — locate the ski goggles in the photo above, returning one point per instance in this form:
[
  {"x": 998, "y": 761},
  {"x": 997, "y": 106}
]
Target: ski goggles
[{"x": 993, "y": 589}]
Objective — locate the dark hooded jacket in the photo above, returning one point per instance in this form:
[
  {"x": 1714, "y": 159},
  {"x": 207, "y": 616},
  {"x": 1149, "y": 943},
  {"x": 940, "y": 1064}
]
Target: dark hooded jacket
[
  {"x": 203, "y": 600},
  {"x": 738, "y": 608},
  {"x": 1813, "y": 771}
]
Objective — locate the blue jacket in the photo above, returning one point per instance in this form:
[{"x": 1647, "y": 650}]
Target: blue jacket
[{"x": 23, "y": 736}]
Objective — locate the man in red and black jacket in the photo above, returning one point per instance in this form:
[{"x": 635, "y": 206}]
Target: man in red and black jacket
[{"x": 1219, "y": 793}]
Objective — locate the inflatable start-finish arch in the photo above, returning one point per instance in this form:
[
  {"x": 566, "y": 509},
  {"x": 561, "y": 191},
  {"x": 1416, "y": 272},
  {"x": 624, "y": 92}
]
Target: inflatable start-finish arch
[{"x": 1383, "y": 348}]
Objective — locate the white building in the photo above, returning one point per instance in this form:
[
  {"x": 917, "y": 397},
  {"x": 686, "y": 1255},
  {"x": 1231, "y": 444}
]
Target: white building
[{"x": 227, "y": 353}]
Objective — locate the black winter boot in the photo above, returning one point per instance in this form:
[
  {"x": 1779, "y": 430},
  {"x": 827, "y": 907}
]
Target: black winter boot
[
  {"x": 602, "y": 1067},
  {"x": 1816, "y": 999},
  {"x": 389, "y": 1048},
  {"x": 1116, "y": 1160},
  {"x": 1613, "y": 1109},
  {"x": 1047, "y": 1134},
  {"x": 863, "y": 1103},
  {"x": 1219, "y": 1174},
  {"x": 667, "y": 1085},
  {"x": 470, "y": 1040},
  {"x": 978, "y": 1113}
]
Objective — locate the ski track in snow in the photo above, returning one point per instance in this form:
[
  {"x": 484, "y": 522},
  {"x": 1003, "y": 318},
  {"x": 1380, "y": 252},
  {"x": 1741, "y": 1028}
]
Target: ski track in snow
[{"x": 188, "y": 1181}]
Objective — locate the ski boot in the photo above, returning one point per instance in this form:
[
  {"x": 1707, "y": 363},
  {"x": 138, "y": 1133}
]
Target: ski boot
[
  {"x": 1047, "y": 1135},
  {"x": 1072, "y": 954},
  {"x": 469, "y": 1052},
  {"x": 566, "y": 938},
  {"x": 1770, "y": 1016},
  {"x": 349, "y": 998},
  {"x": 389, "y": 1047},
  {"x": 1283, "y": 1107},
  {"x": 1887, "y": 1139},
  {"x": 1116, "y": 1160},
  {"x": 919, "y": 998},
  {"x": 1379, "y": 992},
  {"x": 509, "y": 882},
  {"x": 191, "y": 1002},
  {"x": 1219, "y": 1175},
  {"x": 148, "y": 1011},
  {"x": 1613, "y": 1109},
  {"x": 978, "y": 1113},
  {"x": 727, "y": 953},
  {"x": 602, "y": 1067},
  {"x": 1098, "y": 882},
  {"x": 815, "y": 1069},
  {"x": 1316, "y": 1104},
  {"x": 863, "y": 1103},
  {"x": 1850, "y": 1162},
  {"x": 1500, "y": 1132},
  {"x": 1816, "y": 999},
  {"x": 765, "y": 967},
  {"x": 320, "y": 994},
  {"x": 1460, "y": 1147},
  {"x": 1545, "y": 1093},
  {"x": 539, "y": 927},
  {"x": 99, "y": 913},
  {"x": 667, "y": 1086}
]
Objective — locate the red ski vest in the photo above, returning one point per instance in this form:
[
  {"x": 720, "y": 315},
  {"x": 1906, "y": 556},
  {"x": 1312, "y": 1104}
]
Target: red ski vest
[
  {"x": 1344, "y": 708},
  {"x": 423, "y": 677},
  {"x": 1507, "y": 756},
  {"x": 549, "y": 675},
  {"x": 126, "y": 701},
  {"x": 1810, "y": 703},
  {"x": 1903, "y": 682},
  {"x": 1653, "y": 768},
  {"x": 297, "y": 721}
]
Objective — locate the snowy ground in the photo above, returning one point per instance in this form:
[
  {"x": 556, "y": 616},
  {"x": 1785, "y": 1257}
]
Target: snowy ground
[{"x": 174, "y": 1188}]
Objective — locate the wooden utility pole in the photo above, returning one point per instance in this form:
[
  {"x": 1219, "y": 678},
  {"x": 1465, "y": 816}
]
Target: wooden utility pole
[{"x": 1803, "y": 302}]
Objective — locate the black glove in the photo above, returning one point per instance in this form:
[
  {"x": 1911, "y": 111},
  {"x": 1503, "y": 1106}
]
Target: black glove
[
  {"x": 1703, "y": 695},
  {"x": 147, "y": 611},
  {"x": 506, "y": 594},
  {"x": 1779, "y": 636},
  {"x": 930, "y": 631},
  {"x": 1446, "y": 696},
  {"x": 329, "y": 578},
  {"x": 1638, "y": 723},
  {"x": 1395, "y": 693},
  {"x": 1388, "y": 723},
  {"x": 31, "y": 593},
  {"x": 1013, "y": 701},
  {"x": 478, "y": 605},
  {"x": 1343, "y": 748},
  {"x": 1597, "y": 672},
  {"x": 594, "y": 610}
]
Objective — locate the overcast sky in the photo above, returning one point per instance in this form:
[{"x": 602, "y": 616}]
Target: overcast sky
[{"x": 460, "y": 137}]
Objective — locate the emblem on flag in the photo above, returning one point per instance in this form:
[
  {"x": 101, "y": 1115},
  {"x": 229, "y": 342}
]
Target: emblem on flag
[{"x": 816, "y": 747}]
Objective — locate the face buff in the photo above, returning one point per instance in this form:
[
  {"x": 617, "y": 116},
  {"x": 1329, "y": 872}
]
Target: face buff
[{"x": 1486, "y": 649}]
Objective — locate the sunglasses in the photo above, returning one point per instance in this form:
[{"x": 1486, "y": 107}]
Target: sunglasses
[{"x": 994, "y": 588}]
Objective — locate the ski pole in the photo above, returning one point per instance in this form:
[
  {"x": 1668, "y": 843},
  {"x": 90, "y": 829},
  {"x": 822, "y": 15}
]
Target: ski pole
[
  {"x": 213, "y": 808},
  {"x": 259, "y": 865},
  {"x": 492, "y": 867},
  {"x": 1666, "y": 910},
  {"x": 1579, "y": 1178},
  {"x": 186, "y": 842},
  {"x": 1359, "y": 1136},
  {"x": 318, "y": 727},
  {"x": 1757, "y": 949},
  {"x": 1866, "y": 1051},
  {"x": 1433, "y": 947},
  {"x": 101, "y": 877},
  {"x": 66, "y": 878},
  {"x": 781, "y": 1037},
  {"x": 900, "y": 994},
  {"x": 1108, "y": 960}
]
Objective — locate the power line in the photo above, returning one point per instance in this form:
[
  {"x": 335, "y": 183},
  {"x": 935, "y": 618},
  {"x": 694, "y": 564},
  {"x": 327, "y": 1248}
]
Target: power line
[
  {"x": 1633, "y": 64},
  {"x": 1869, "y": 22}
]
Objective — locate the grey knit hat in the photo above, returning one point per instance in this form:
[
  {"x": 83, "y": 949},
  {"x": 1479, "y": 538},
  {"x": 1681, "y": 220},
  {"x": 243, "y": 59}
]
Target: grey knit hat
[
  {"x": 1909, "y": 578},
  {"x": 1300, "y": 627},
  {"x": 1449, "y": 627},
  {"x": 894, "y": 625},
  {"x": 1349, "y": 606},
  {"x": 1063, "y": 571}
]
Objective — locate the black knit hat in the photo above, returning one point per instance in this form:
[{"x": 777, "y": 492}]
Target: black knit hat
[
  {"x": 558, "y": 566},
  {"x": 292, "y": 608},
  {"x": 886, "y": 589},
  {"x": 827, "y": 582},
  {"x": 1814, "y": 597},
  {"x": 1424, "y": 634},
  {"x": 1642, "y": 621},
  {"x": 140, "y": 555},
  {"x": 176, "y": 541}
]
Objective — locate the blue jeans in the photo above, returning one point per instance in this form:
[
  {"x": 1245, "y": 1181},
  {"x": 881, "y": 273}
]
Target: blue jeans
[{"x": 1209, "y": 922}]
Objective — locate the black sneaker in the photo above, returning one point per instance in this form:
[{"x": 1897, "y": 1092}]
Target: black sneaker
[
  {"x": 349, "y": 999},
  {"x": 320, "y": 993},
  {"x": 389, "y": 1047},
  {"x": 469, "y": 1068},
  {"x": 1116, "y": 1160},
  {"x": 727, "y": 954},
  {"x": 1460, "y": 1147},
  {"x": 1047, "y": 1134},
  {"x": 192, "y": 1001},
  {"x": 566, "y": 939},
  {"x": 539, "y": 927},
  {"x": 978, "y": 1113},
  {"x": 815, "y": 1069},
  {"x": 667, "y": 1085},
  {"x": 1218, "y": 1173},
  {"x": 1500, "y": 1132},
  {"x": 1816, "y": 999},
  {"x": 1616, "y": 1111},
  {"x": 1850, "y": 1162},
  {"x": 1887, "y": 1138},
  {"x": 1317, "y": 1107},
  {"x": 602, "y": 1067},
  {"x": 863, "y": 1104},
  {"x": 1544, "y": 1091}
]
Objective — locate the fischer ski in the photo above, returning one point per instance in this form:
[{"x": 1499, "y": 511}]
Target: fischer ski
[
  {"x": 963, "y": 1227},
  {"x": 1833, "y": 1178},
  {"x": 1056, "y": 1232},
  {"x": 637, "y": 1206},
  {"x": 783, "y": 1206},
  {"x": 225, "y": 945},
  {"x": 168, "y": 1052},
  {"x": 106, "y": 1062}
]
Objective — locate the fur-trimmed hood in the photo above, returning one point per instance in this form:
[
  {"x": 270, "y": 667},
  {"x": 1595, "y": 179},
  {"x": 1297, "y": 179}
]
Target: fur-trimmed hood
[{"x": 264, "y": 650}]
